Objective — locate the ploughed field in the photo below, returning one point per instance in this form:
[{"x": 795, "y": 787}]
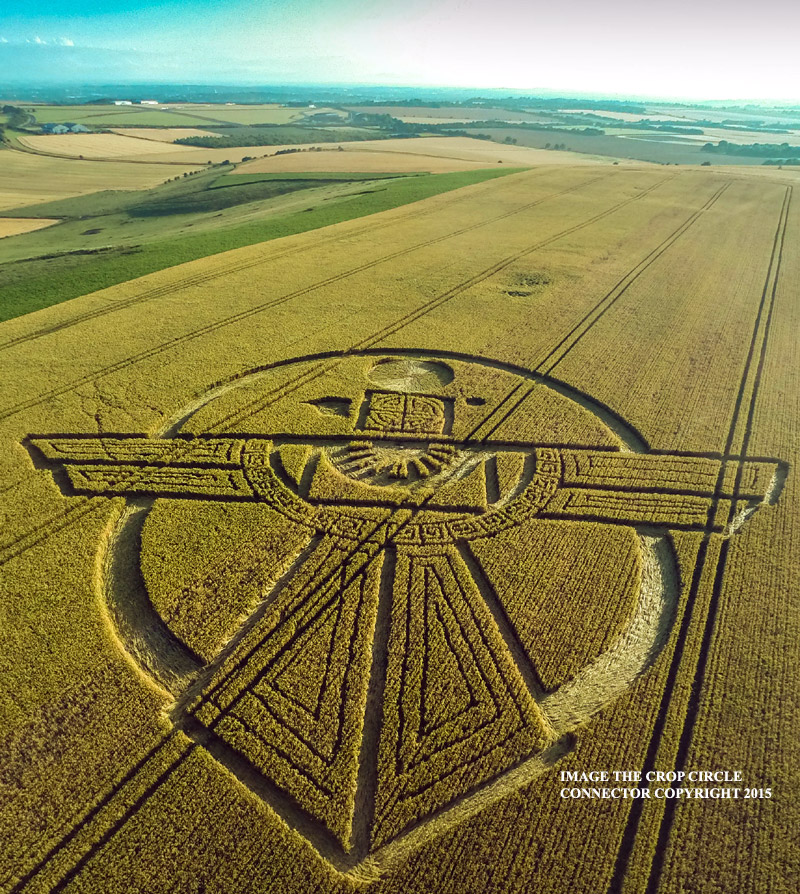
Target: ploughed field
[{"x": 325, "y": 557}]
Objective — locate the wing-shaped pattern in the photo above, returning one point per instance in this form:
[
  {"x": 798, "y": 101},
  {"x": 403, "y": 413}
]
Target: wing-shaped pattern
[{"x": 179, "y": 467}]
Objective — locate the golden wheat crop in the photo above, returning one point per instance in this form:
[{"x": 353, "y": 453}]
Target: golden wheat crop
[
  {"x": 97, "y": 145},
  {"x": 162, "y": 134},
  {"x": 435, "y": 154},
  {"x": 13, "y": 226},
  {"x": 324, "y": 558},
  {"x": 27, "y": 179}
]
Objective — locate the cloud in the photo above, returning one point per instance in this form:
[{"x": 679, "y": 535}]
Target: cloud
[
  {"x": 41, "y": 42},
  {"x": 3, "y": 40}
]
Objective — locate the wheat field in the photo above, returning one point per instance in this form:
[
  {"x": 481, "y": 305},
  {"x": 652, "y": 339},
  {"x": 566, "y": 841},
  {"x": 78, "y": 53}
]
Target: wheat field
[
  {"x": 162, "y": 134},
  {"x": 435, "y": 154},
  {"x": 323, "y": 558},
  {"x": 105, "y": 145},
  {"x": 28, "y": 179},
  {"x": 13, "y": 226}
]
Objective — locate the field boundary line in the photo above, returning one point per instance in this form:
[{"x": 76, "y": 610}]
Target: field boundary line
[
  {"x": 758, "y": 346},
  {"x": 422, "y": 310},
  {"x": 545, "y": 366},
  {"x": 267, "y": 305},
  {"x": 716, "y": 567},
  {"x": 59, "y": 522},
  {"x": 236, "y": 267}
]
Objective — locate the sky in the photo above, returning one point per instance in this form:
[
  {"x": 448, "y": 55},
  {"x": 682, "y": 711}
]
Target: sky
[{"x": 683, "y": 49}]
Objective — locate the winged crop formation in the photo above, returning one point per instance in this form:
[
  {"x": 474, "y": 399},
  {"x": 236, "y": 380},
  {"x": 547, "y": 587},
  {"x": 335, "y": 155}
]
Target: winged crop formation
[{"x": 328, "y": 558}]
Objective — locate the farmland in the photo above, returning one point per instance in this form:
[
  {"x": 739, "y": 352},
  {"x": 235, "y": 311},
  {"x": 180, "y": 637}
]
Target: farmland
[
  {"x": 434, "y": 154},
  {"x": 454, "y": 114},
  {"x": 14, "y": 226},
  {"x": 99, "y": 145},
  {"x": 162, "y": 134},
  {"x": 646, "y": 133},
  {"x": 327, "y": 553},
  {"x": 172, "y": 115},
  {"x": 112, "y": 116},
  {"x": 126, "y": 148},
  {"x": 31, "y": 179},
  {"x": 112, "y": 236},
  {"x": 437, "y": 154}
]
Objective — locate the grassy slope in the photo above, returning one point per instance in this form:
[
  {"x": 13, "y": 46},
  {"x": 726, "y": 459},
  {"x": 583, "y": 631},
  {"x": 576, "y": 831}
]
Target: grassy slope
[
  {"x": 29, "y": 285},
  {"x": 113, "y": 116},
  {"x": 234, "y": 178}
]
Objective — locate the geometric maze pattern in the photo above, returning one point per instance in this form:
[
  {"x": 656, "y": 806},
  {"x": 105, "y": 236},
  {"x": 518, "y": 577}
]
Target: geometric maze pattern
[
  {"x": 456, "y": 710},
  {"x": 291, "y": 697},
  {"x": 449, "y": 708}
]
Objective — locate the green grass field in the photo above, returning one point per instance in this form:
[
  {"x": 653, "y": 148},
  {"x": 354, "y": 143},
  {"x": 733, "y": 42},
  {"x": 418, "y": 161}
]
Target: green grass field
[
  {"x": 147, "y": 116},
  {"x": 113, "y": 116},
  {"x": 232, "y": 177},
  {"x": 656, "y": 148},
  {"x": 110, "y": 237}
]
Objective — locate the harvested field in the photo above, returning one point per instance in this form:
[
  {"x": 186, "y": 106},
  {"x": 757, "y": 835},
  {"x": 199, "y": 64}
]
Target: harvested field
[
  {"x": 638, "y": 147},
  {"x": 449, "y": 114},
  {"x": 13, "y": 226},
  {"x": 27, "y": 179},
  {"x": 352, "y": 159},
  {"x": 162, "y": 134},
  {"x": 627, "y": 116},
  {"x": 106, "y": 146},
  {"x": 261, "y": 114},
  {"x": 100, "y": 145},
  {"x": 434, "y": 154},
  {"x": 715, "y": 134},
  {"x": 334, "y": 552}
]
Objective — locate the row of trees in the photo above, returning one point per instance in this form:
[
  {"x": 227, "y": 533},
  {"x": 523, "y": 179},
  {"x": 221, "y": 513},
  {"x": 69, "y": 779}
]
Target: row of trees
[{"x": 759, "y": 150}]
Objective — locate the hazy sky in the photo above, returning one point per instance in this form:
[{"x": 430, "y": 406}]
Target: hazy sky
[{"x": 703, "y": 49}]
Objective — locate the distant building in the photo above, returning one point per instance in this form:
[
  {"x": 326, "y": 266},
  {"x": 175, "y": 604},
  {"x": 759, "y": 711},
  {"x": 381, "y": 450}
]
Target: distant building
[
  {"x": 66, "y": 127},
  {"x": 122, "y": 102},
  {"x": 148, "y": 102}
]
